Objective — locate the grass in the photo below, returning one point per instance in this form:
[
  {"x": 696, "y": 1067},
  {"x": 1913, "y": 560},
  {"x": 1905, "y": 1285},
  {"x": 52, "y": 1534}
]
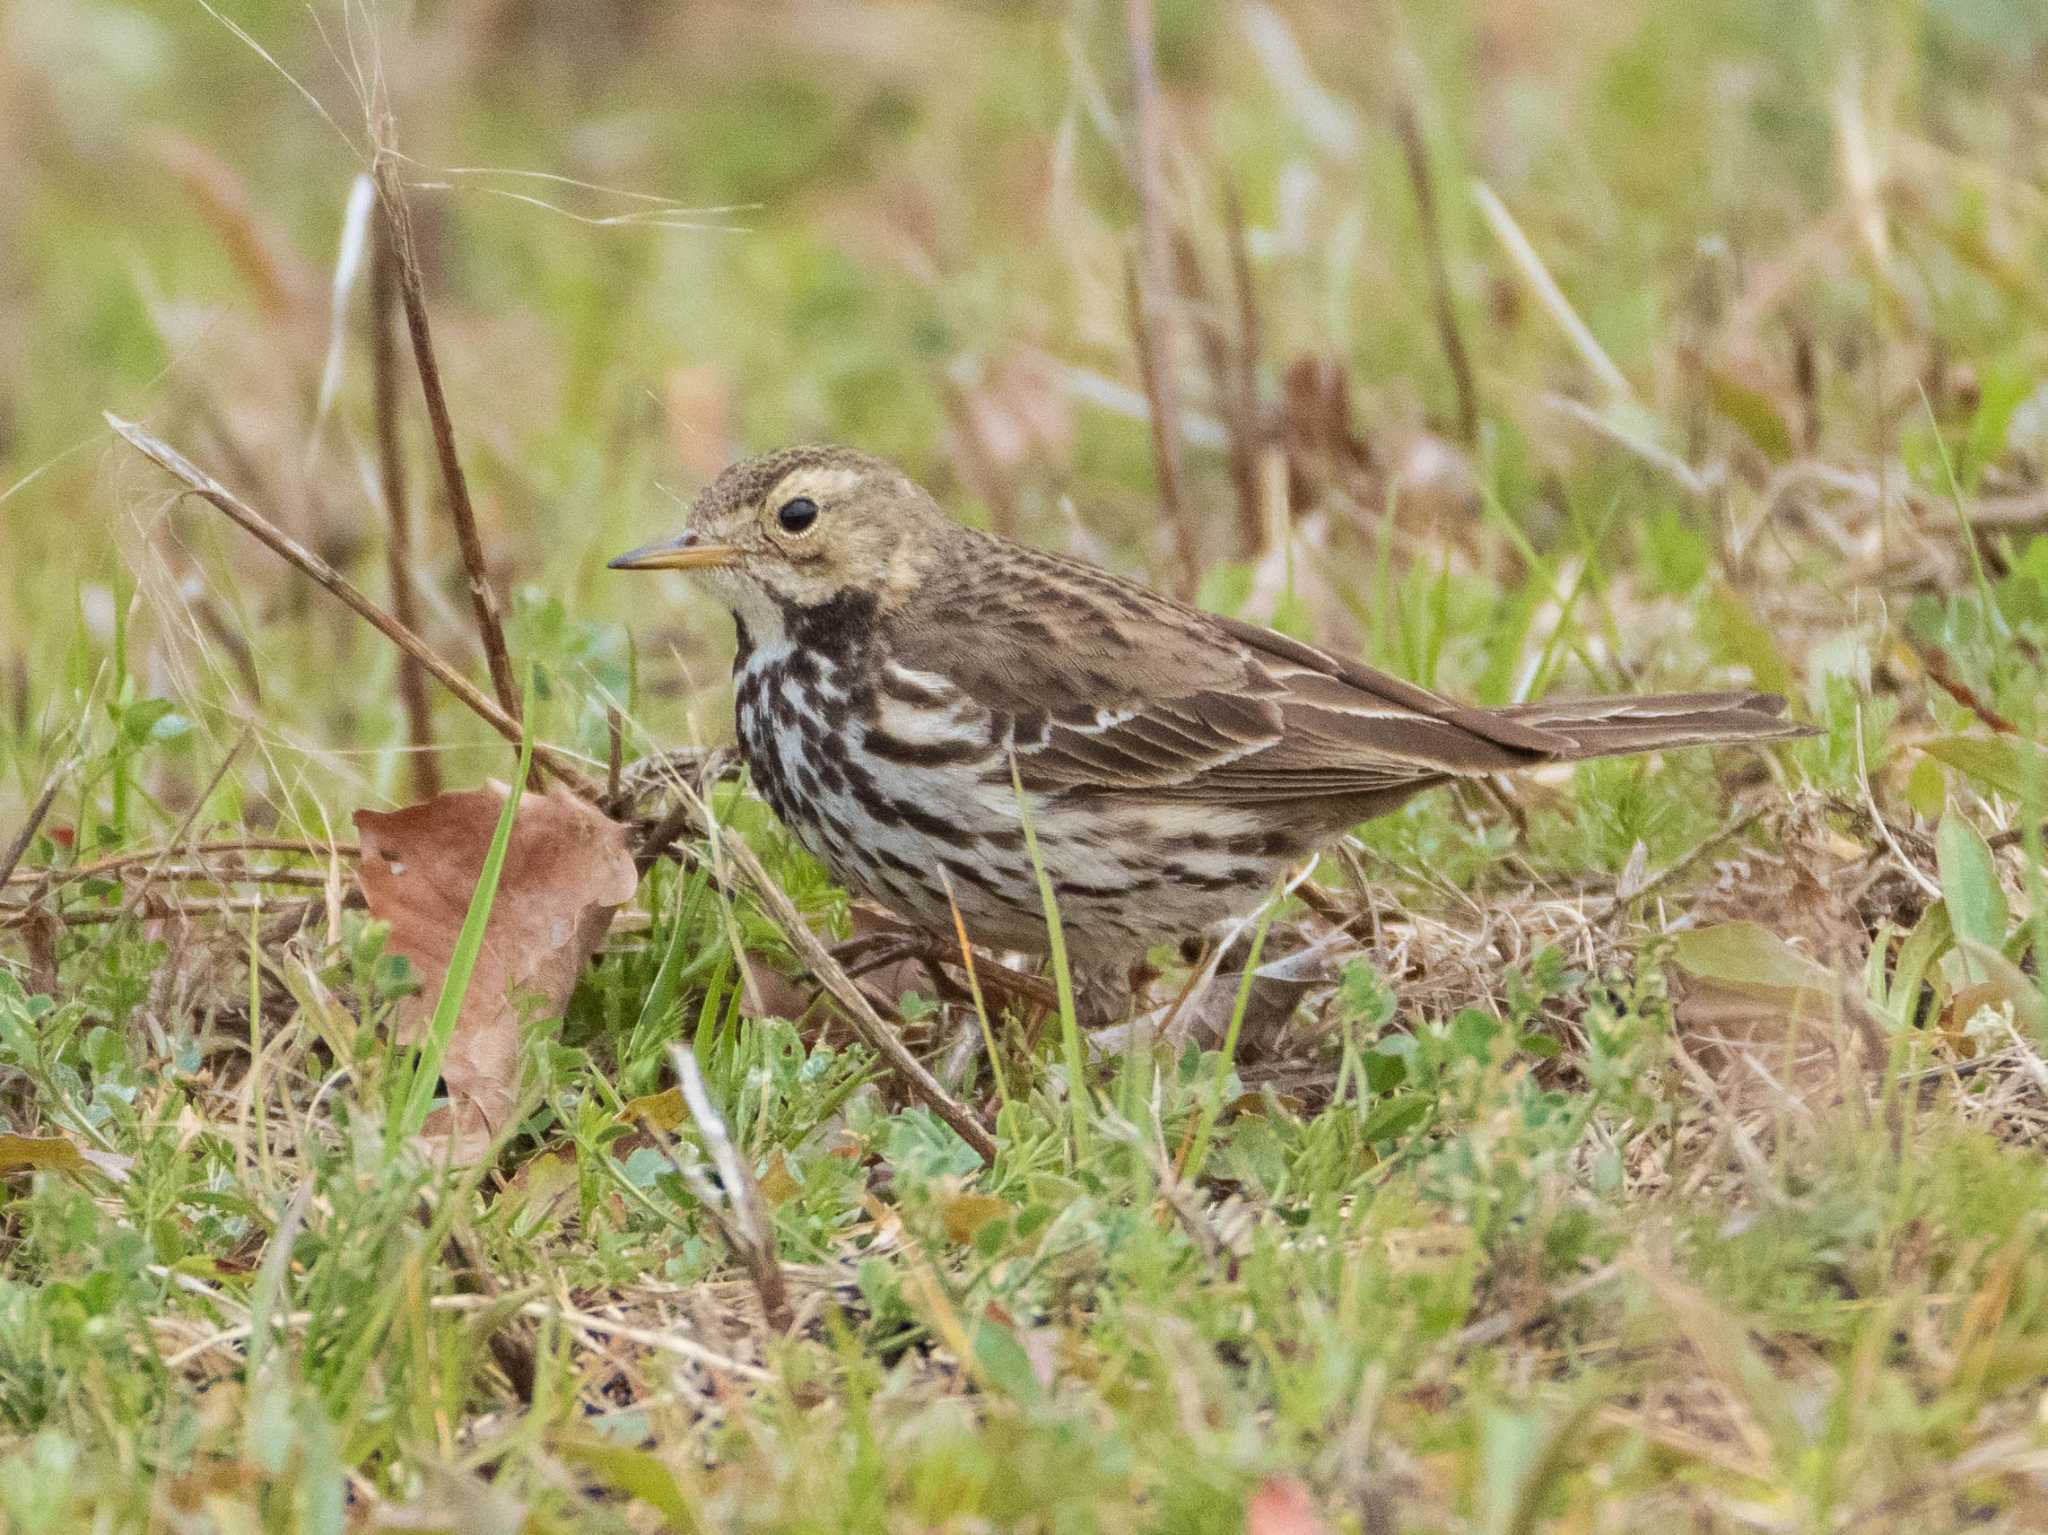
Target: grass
[{"x": 1663, "y": 1146}]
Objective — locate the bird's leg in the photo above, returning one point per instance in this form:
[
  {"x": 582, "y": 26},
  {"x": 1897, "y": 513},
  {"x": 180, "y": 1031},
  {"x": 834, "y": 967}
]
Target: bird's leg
[
  {"x": 865, "y": 953},
  {"x": 1106, "y": 990},
  {"x": 1000, "y": 985},
  {"x": 1102, "y": 997}
]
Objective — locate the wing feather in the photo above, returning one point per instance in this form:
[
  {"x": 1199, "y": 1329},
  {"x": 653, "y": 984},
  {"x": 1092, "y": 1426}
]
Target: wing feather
[{"x": 1130, "y": 692}]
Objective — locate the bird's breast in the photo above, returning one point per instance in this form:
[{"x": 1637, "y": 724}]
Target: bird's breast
[{"x": 900, "y": 783}]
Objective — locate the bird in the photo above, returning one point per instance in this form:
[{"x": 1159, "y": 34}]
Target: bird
[{"x": 919, "y": 701}]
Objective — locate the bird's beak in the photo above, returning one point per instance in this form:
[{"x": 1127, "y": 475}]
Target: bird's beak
[{"x": 684, "y": 553}]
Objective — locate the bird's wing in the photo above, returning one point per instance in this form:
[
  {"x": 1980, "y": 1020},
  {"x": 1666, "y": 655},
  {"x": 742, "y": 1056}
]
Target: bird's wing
[{"x": 1096, "y": 683}]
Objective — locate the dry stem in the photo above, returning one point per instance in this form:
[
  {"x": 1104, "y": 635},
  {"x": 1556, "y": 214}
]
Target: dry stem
[
  {"x": 18, "y": 849},
  {"x": 412, "y": 290},
  {"x": 1151, "y": 283},
  {"x": 1225, "y": 385},
  {"x": 412, "y": 681},
  {"x": 291, "y": 550}
]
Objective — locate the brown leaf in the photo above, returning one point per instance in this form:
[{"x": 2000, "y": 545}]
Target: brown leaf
[
  {"x": 966, "y": 1212},
  {"x": 663, "y": 1110},
  {"x": 567, "y": 869},
  {"x": 1282, "y": 1506},
  {"x": 778, "y": 1183},
  {"x": 771, "y": 994}
]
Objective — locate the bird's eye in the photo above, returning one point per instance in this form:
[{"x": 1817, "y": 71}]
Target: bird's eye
[{"x": 797, "y": 516}]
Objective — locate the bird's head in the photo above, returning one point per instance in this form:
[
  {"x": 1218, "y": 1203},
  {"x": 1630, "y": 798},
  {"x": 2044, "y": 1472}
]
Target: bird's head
[{"x": 800, "y": 528}]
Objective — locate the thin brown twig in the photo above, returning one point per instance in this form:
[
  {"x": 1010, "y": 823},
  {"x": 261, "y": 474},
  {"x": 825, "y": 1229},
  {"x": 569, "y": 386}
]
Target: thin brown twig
[
  {"x": 1935, "y": 661},
  {"x": 119, "y": 861},
  {"x": 615, "y": 752},
  {"x": 16, "y": 916},
  {"x": 412, "y": 291},
  {"x": 1152, "y": 371},
  {"x": 18, "y": 848},
  {"x": 1251, "y": 346},
  {"x": 1664, "y": 876},
  {"x": 1218, "y": 361},
  {"x": 233, "y": 874},
  {"x": 253, "y": 522},
  {"x": 988, "y": 1034},
  {"x": 412, "y": 680},
  {"x": 1416, "y": 152},
  {"x": 1151, "y": 283}
]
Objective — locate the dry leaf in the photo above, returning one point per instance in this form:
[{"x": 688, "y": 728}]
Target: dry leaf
[
  {"x": 778, "y": 1183},
  {"x": 1282, "y": 1506},
  {"x": 567, "y": 869},
  {"x": 1770, "y": 1004},
  {"x": 543, "y": 1193},
  {"x": 59, "y": 1154},
  {"x": 965, "y": 1212},
  {"x": 663, "y": 1110},
  {"x": 770, "y": 993}
]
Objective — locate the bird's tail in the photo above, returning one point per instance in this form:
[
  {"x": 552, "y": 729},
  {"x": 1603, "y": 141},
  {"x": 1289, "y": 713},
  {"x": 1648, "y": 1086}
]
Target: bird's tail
[{"x": 1612, "y": 727}]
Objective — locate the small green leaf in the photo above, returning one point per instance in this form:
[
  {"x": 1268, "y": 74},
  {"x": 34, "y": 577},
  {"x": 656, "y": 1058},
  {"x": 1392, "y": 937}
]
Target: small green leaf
[
  {"x": 1003, "y": 1362},
  {"x": 1364, "y": 994},
  {"x": 1395, "y": 1117},
  {"x": 1749, "y": 957},
  {"x": 1969, "y": 882},
  {"x": 1753, "y": 411},
  {"x": 1931, "y": 938},
  {"x": 636, "y": 1473},
  {"x": 1927, "y": 788},
  {"x": 140, "y": 720},
  {"x": 2016, "y": 768}
]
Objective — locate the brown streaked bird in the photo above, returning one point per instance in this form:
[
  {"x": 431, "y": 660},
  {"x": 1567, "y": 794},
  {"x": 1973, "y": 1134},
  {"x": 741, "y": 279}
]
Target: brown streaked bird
[{"x": 892, "y": 664}]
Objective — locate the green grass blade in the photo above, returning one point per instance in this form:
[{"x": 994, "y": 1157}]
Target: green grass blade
[
  {"x": 416, "y": 1084},
  {"x": 1212, "y": 1108},
  {"x": 1062, "y": 976}
]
